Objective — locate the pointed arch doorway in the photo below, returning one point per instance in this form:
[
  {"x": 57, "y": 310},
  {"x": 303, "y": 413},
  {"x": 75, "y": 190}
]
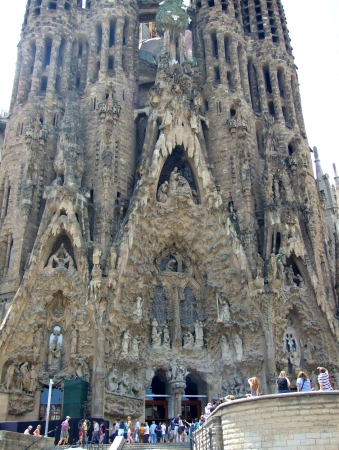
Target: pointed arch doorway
[
  {"x": 157, "y": 398},
  {"x": 195, "y": 397}
]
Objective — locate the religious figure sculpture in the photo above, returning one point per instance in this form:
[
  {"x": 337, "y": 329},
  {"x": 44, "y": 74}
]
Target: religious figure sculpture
[
  {"x": 37, "y": 340},
  {"x": 290, "y": 276},
  {"x": 111, "y": 384},
  {"x": 10, "y": 375},
  {"x": 32, "y": 380},
  {"x": 173, "y": 181},
  {"x": 61, "y": 259},
  {"x": 295, "y": 357},
  {"x": 74, "y": 341},
  {"x": 125, "y": 342},
  {"x": 224, "y": 310},
  {"x": 226, "y": 352},
  {"x": 163, "y": 192},
  {"x": 137, "y": 310},
  {"x": 166, "y": 338},
  {"x": 199, "y": 335},
  {"x": 54, "y": 354},
  {"x": 156, "y": 335},
  {"x": 237, "y": 341},
  {"x": 188, "y": 341},
  {"x": 24, "y": 371},
  {"x": 135, "y": 347}
]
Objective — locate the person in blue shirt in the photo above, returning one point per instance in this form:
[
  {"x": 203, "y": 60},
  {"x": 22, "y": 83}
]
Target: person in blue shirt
[{"x": 152, "y": 432}]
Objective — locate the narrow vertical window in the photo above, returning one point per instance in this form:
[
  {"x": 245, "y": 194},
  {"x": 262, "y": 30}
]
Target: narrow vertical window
[
  {"x": 214, "y": 45},
  {"x": 111, "y": 33}
]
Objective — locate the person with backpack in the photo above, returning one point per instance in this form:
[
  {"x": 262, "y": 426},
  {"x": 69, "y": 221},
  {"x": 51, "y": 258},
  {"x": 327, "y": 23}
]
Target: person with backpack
[
  {"x": 64, "y": 432},
  {"x": 158, "y": 431}
]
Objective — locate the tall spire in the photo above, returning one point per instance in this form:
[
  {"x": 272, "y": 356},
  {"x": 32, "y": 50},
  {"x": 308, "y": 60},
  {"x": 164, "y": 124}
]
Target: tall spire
[{"x": 319, "y": 170}]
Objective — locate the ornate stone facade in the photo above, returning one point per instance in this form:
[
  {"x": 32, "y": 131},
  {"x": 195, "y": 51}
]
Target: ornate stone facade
[{"x": 161, "y": 221}]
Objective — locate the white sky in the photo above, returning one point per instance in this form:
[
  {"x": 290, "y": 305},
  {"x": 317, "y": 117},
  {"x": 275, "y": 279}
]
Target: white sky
[{"x": 315, "y": 39}]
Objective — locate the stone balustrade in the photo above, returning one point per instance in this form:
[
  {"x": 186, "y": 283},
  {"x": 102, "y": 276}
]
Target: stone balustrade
[{"x": 275, "y": 422}]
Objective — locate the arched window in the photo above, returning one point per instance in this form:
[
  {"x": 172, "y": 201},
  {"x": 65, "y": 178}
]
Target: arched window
[
  {"x": 159, "y": 306},
  {"x": 188, "y": 308}
]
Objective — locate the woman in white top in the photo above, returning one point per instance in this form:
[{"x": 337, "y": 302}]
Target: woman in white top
[{"x": 163, "y": 432}]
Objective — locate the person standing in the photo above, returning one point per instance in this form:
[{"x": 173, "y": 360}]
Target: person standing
[
  {"x": 95, "y": 435},
  {"x": 64, "y": 432},
  {"x": 158, "y": 432},
  {"x": 146, "y": 433},
  {"x": 163, "y": 432},
  {"x": 141, "y": 434},
  {"x": 152, "y": 432},
  {"x": 283, "y": 383},
  {"x": 324, "y": 379},
  {"x": 102, "y": 431},
  {"x": 137, "y": 431},
  {"x": 85, "y": 431}
]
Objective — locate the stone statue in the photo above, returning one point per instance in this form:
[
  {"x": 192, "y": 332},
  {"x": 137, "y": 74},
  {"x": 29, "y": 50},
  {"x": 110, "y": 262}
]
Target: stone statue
[
  {"x": 224, "y": 310},
  {"x": 37, "y": 340},
  {"x": 237, "y": 341},
  {"x": 295, "y": 357},
  {"x": 166, "y": 339},
  {"x": 188, "y": 341},
  {"x": 111, "y": 384},
  {"x": 301, "y": 281},
  {"x": 163, "y": 192},
  {"x": 74, "y": 341},
  {"x": 32, "y": 380},
  {"x": 199, "y": 335},
  {"x": 226, "y": 352},
  {"x": 10, "y": 375},
  {"x": 281, "y": 271},
  {"x": 272, "y": 268},
  {"x": 135, "y": 347},
  {"x": 137, "y": 310},
  {"x": 54, "y": 355},
  {"x": 156, "y": 335},
  {"x": 125, "y": 342},
  {"x": 24, "y": 370},
  {"x": 308, "y": 351},
  {"x": 61, "y": 259},
  {"x": 290, "y": 276},
  {"x": 123, "y": 384},
  {"x": 183, "y": 186},
  {"x": 173, "y": 181}
]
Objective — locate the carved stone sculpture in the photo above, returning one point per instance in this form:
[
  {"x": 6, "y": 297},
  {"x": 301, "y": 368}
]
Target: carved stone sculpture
[
  {"x": 61, "y": 259},
  {"x": 125, "y": 342},
  {"x": 224, "y": 310},
  {"x": 74, "y": 340},
  {"x": 237, "y": 341},
  {"x": 156, "y": 335},
  {"x": 199, "y": 335},
  {"x": 188, "y": 341},
  {"x": 32, "y": 380},
  {"x": 24, "y": 371},
  {"x": 166, "y": 338},
  {"x": 134, "y": 352},
  {"x": 162, "y": 192},
  {"x": 226, "y": 351},
  {"x": 12, "y": 371},
  {"x": 137, "y": 310}
]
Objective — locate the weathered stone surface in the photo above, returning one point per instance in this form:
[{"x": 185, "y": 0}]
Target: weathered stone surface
[{"x": 161, "y": 219}]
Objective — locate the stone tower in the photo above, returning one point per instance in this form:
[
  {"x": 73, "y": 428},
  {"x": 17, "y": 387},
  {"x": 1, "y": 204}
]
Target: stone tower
[{"x": 162, "y": 235}]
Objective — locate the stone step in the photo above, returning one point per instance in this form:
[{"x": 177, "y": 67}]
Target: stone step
[{"x": 165, "y": 446}]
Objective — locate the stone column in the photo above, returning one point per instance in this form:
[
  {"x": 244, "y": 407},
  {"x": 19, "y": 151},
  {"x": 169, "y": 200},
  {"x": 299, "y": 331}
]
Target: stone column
[
  {"x": 99, "y": 374},
  {"x": 261, "y": 86},
  {"x": 36, "y": 77},
  {"x": 254, "y": 87},
  {"x": 53, "y": 67},
  {"x": 178, "y": 389},
  {"x": 84, "y": 65},
  {"x": 177, "y": 339},
  {"x": 65, "y": 75},
  {"x": 104, "y": 47},
  {"x": 276, "y": 93}
]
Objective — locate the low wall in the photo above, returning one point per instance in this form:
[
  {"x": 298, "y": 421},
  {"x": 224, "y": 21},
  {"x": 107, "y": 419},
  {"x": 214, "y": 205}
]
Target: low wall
[
  {"x": 18, "y": 441},
  {"x": 277, "y": 422}
]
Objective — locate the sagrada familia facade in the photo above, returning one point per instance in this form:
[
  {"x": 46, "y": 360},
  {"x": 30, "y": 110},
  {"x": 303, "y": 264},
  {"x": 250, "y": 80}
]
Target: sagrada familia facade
[{"x": 162, "y": 235}]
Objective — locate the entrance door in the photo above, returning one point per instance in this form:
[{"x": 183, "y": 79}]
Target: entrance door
[
  {"x": 156, "y": 410},
  {"x": 190, "y": 410}
]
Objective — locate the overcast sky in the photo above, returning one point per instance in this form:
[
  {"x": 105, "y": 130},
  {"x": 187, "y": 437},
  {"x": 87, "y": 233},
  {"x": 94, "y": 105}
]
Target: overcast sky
[{"x": 314, "y": 31}]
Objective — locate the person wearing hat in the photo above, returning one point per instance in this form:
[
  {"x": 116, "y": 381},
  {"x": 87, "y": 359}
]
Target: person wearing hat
[
  {"x": 28, "y": 430},
  {"x": 64, "y": 432}
]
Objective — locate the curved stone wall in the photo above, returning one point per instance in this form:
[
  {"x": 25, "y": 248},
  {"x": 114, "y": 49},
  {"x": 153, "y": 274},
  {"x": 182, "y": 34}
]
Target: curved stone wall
[{"x": 276, "y": 422}]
